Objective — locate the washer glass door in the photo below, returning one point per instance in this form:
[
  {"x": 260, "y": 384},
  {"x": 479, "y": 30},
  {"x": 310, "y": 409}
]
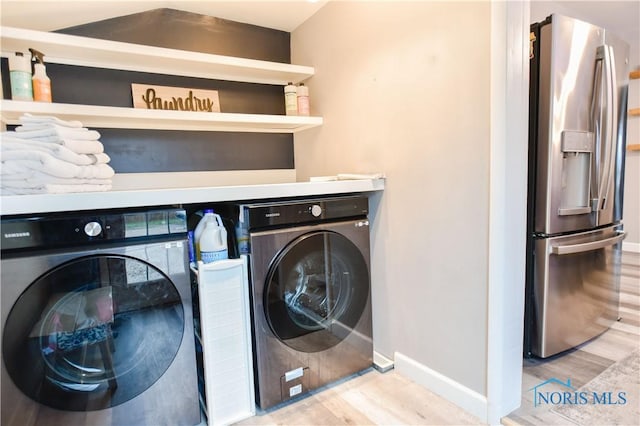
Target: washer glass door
[
  {"x": 316, "y": 291},
  {"x": 93, "y": 333}
]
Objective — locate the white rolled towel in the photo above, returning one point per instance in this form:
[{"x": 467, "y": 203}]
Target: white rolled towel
[
  {"x": 54, "y": 189},
  {"x": 17, "y": 149},
  {"x": 40, "y": 120},
  {"x": 51, "y": 165},
  {"x": 34, "y": 179},
  {"x": 77, "y": 146},
  {"x": 55, "y": 130}
]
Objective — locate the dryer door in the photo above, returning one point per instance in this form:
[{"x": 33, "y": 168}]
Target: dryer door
[
  {"x": 93, "y": 332},
  {"x": 316, "y": 291}
]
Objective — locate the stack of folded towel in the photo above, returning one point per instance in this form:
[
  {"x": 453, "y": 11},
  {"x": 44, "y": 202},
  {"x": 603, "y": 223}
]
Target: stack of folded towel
[{"x": 49, "y": 155}]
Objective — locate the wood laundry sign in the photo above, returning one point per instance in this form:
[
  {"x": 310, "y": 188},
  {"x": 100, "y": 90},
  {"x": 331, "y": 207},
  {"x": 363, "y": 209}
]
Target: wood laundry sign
[{"x": 174, "y": 98}]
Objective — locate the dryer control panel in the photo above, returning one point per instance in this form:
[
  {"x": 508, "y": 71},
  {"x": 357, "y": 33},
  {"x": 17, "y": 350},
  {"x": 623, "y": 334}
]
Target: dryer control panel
[
  {"x": 51, "y": 231},
  {"x": 296, "y": 212}
]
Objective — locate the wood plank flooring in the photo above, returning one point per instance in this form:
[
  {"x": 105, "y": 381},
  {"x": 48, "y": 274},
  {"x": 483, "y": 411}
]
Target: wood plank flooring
[
  {"x": 372, "y": 398},
  {"x": 391, "y": 399}
]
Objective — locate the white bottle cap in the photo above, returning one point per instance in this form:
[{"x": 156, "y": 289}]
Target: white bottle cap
[
  {"x": 19, "y": 62},
  {"x": 303, "y": 90}
]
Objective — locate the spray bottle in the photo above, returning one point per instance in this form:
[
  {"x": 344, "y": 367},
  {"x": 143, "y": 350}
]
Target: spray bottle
[{"x": 41, "y": 82}]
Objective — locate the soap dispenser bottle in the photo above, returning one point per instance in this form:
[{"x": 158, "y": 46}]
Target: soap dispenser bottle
[
  {"x": 303, "y": 100},
  {"x": 41, "y": 82},
  {"x": 20, "y": 75},
  {"x": 290, "y": 99}
]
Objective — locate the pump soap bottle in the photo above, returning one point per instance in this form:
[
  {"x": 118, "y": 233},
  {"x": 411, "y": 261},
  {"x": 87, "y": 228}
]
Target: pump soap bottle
[
  {"x": 290, "y": 99},
  {"x": 303, "y": 100},
  {"x": 41, "y": 82},
  {"x": 20, "y": 76}
]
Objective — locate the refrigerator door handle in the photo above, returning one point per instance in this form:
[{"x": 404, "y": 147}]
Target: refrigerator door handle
[
  {"x": 604, "y": 112},
  {"x": 592, "y": 245}
]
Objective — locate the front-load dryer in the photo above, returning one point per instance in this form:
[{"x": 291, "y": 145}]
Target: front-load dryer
[
  {"x": 310, "y": 291},
  {"x": 97, "y": 325}
]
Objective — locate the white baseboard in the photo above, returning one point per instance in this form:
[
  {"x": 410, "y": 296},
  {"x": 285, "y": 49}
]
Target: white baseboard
[
  {"x": 465, "y": 398},
  {"x": 631, "y": 247}
]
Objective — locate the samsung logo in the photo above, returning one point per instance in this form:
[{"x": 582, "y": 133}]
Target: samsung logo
[
  {"x": 275, "y": 214},
  {"x": 17, "y": 235}
]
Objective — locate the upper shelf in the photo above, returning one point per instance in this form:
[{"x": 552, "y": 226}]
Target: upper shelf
[
  {"x": 132, "y": 118},
  {"x": 91, "y": 52}
]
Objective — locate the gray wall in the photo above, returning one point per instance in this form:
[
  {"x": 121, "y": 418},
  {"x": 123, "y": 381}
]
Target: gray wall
[{"x": 403, "y": 89}]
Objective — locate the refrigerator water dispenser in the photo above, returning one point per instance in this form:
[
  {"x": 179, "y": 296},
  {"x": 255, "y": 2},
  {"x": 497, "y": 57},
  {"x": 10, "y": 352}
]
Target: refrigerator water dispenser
[{"x": 577, "y": 148}]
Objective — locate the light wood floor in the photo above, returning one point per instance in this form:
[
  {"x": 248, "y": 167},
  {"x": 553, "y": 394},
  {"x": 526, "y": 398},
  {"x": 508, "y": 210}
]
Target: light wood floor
[
  {"x": 391, "y": 399},
  {"x": 372, "y": 398}
]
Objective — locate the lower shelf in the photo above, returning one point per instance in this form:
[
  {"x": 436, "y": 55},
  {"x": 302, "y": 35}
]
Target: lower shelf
[{"x": 135, "y": 118}]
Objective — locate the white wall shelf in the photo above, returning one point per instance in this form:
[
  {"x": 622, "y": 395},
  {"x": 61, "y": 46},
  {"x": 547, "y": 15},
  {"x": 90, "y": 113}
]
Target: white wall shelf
[
  {"x": 84, "y": 51},
  {"x": 91, "y": 52},
  {"x": 132, "y": 118}
]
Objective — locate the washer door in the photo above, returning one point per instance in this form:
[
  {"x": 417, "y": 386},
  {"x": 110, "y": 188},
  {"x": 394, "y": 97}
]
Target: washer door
[
  {"x": 316, "y": 290},
  {"x": 93, "y": 332}
]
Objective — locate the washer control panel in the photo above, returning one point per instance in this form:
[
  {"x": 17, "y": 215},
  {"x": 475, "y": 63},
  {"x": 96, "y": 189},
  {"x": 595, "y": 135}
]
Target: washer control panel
[{"x": 57, "y": 230}]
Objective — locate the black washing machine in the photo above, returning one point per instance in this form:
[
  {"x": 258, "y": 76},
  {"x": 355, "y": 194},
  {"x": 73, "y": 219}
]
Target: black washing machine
[
  {"x": 97, "y": 325},
  {"x": 310, "y": 292}
]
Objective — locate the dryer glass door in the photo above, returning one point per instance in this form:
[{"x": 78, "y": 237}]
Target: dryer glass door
[
  {"x": 316, "y": 291},
  {"x": 93, "y": 332}
]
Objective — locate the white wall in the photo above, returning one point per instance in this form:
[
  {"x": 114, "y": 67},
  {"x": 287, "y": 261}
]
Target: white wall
[
  {"x": 404, "y": 89},
  {"x": 598, "y": 13}
]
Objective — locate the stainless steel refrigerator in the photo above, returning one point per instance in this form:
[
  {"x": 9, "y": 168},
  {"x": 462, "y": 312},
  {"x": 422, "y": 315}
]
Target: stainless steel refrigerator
[{"x": 578, "y": 104}]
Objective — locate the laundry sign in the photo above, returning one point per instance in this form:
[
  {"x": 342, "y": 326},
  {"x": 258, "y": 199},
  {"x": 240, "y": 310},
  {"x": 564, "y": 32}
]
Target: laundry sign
[{"x": 174, "y": 98}]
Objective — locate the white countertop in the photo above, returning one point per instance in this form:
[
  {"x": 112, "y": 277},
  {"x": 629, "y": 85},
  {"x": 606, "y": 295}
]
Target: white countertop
[{"x": 29, "y": 204}]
